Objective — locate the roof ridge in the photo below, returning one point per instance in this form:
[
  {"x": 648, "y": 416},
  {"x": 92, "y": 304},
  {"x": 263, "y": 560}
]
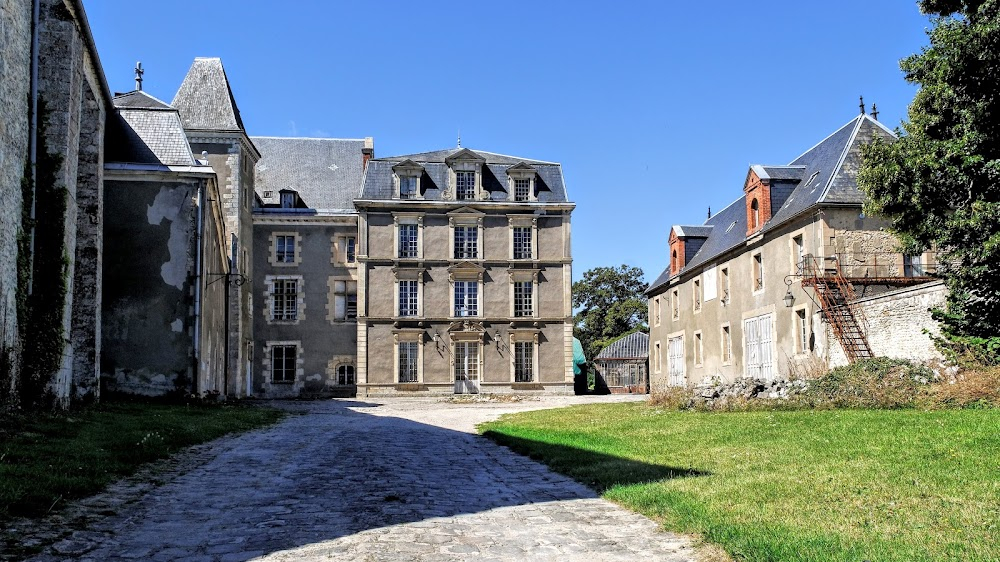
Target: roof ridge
[{"x": 303, "y": 138}]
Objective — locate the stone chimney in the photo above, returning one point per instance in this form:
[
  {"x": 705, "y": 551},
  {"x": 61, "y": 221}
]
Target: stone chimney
[{"x": 368, "y": 151}]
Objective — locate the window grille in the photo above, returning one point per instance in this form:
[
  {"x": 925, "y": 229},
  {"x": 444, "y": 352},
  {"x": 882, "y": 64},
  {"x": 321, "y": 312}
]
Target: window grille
[
  {"x": 523, "y": 359},
  {"x": 466, "y": 242},
  {"x": 408, "y": 357},
  {"x": 407, "y": 240},
  {"x": 523, "y": 298},
  {"x": 522, "y": 242},
  {"x": 465, "y": 185},
  {"x": 522, "y": 190},
  {"x": 466, "y": 298},
  {"x": 283, "y": 363},
  {"x": 408, "y": 298},
  {"x": 285, "y": 299}
]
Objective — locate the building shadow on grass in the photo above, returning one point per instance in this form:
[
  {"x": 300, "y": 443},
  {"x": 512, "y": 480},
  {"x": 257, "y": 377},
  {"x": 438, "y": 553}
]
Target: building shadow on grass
[{"x": 314, "y": 482}]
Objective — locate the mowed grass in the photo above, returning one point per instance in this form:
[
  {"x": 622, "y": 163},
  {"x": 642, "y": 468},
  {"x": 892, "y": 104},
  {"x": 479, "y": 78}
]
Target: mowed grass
[
  {"x": 48, "y": 460},
  {"x": 834, "y": 485}
]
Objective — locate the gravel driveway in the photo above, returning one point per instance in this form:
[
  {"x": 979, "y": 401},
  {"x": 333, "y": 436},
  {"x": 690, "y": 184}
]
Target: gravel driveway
[{"x": 400, "y": 479}]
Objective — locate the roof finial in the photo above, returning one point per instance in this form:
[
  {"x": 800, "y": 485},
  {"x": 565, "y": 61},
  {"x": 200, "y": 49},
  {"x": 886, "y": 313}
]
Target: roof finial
[
  {"x": 460, "y": 138},
  {"x": 710, "y": 212},
  {"x": 138, "y": 76},
  {"x": 861, "y": 104},
  {"x": 874, "y": 112}
]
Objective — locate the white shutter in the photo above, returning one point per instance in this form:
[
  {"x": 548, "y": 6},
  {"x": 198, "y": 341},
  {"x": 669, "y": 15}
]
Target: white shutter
[
  {"x": 675, "y": 359},
  {"x": 711, "y": 282},
  {"x": 759, "y": 356},
  {"x": 766, "y": 356}
]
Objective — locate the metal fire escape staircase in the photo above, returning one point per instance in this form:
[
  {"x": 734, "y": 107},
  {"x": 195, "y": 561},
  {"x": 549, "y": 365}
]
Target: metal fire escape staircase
[{"x": 836, "y": 297}]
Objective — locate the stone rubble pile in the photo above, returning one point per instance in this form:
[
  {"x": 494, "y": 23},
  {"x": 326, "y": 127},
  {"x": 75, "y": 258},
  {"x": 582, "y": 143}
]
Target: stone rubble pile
[{"x": 714, "y": 389}]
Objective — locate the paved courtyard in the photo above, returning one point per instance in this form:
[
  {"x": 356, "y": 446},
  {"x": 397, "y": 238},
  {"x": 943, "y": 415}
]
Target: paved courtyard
[{"x": 402, "y": 479}]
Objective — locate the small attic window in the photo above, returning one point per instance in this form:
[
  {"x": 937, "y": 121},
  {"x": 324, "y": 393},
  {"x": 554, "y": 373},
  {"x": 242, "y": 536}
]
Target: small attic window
[
  {"x": 811, "y": 178},
  {"x": 731, "y": 226},
  {"x": 289, "y": 199},
  {"x": 268, "y": 194}
]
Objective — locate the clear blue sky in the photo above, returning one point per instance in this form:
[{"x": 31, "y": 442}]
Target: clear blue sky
[{"x": 655, "y": 109}]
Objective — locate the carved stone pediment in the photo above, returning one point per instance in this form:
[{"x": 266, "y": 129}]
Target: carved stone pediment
[{"x": 467, "y": 326}]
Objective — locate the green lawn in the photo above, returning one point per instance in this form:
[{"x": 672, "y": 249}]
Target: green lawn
[
  {"x": 48, "y": 460},
  {"x": 834, "y": 485}
]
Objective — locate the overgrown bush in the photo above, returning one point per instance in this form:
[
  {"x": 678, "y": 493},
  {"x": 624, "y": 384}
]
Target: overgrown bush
[
  {"x": 872, "y": 383},
  {"x": 971, "y": 388}
]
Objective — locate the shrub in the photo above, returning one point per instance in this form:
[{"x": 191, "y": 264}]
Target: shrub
[
  {"x": 972, "y": 388},
  {"x": 873, "y": 383}
]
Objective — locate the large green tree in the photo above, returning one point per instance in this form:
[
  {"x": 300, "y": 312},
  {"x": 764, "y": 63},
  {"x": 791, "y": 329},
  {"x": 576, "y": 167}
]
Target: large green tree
[
  {"x": 610, "y": 303},
  {"x": 939, "y": 184}
]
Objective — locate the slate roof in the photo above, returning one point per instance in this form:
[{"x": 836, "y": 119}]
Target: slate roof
[
  {"x": 326, "y": 173},
  {"x": 205, "y": 99},
  {"x": 378, "y": 182},
  {"x": 828, "y": 176},
  {"x": 632, "y": 346},
  {"x": 695, "y": 231},
  {"x": 147, "y": 131}
]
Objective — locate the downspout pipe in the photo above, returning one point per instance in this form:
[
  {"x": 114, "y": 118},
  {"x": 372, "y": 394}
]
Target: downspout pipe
[
  {"x": 33, "y": 139},
  {"x": 198, "y": 277}
]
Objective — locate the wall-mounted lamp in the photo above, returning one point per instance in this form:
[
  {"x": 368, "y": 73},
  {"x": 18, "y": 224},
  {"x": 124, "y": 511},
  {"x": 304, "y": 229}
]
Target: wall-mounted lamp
[
  {"x": 789, "y": 297},
  {"x": 437, "y": 341},
  {"x": 496, "y": 337}
]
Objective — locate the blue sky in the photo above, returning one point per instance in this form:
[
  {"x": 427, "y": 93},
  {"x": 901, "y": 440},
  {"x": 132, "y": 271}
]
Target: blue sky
[{"x": 655, "y": 109}]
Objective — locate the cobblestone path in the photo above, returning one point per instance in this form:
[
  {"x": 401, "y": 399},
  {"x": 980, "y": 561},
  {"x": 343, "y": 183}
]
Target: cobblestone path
[{"x": 353, "y": 480}]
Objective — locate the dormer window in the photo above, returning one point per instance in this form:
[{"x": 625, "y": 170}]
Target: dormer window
[
  {"x": 754, "y": 214},
  {"x": 465, "y": 185},
  {"x": 407, "y": 179},
  {"x": 289, "y": 199},
  {"x": 521, "y": 182}
]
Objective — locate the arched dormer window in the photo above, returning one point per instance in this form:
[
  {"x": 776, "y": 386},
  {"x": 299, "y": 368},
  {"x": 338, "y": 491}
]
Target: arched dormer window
[{"x": 754, "y": 214}]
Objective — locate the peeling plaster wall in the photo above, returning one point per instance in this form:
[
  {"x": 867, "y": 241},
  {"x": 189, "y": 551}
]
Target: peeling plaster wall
[{"x": 149, "y": 257}]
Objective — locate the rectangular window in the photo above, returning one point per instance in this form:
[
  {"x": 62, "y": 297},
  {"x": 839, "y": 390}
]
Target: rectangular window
[
  {"x": 656, "y": 311},
  {"x": 345, "y": 297},
  {"x": 287, "y": 200},
  {"x": 523, "y": 298},
  {"x": 802, "y": 329},
  {"x": 675, "y": 362},
  {"x": 656, "y": 357},
  {"x": 465, "y": 185},
  {"x": 727, "y": 345},
  {"x": 407, "y": 240},
  {"x": 285, "y": 299},
  {"x": 724, "y": 285},
  {"x": 522, "y": 189},
  {"x": 758, "y": 272},
  {"x": 408, "y": 297},
  {"x": 697, "y": 295},
  {"x": 466, "y": 298},
  {"x": 913, "y": 266},
  {"x": 283, "y": 363},
  {"x": 284, "y": 249},
  {"x": 345, "y": 374},
  {"x": 349, "y": 249},
  {"x": 524, "y": 352},
  {"x": 466, "y": 242},
  {"x": 522, "y": 242},
  {"x": 698, "y": 349},
  {"x": 675, "y": 305},
  {"x": 408, "y": 358},
  {"x": 407, "y": 187},
  {"x": 798, "y": 254}
]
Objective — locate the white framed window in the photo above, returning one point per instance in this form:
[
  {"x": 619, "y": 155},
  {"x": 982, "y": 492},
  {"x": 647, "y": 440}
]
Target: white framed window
[
  {"x": 466, "y": 242},
  {"x": 345, "y": 375},
  {"x": 284, "y": 248},
  {"x": 802, "y": 330},
  {"x": 465, "y": 185},
  {"x": 284, "y": 362},
  {"x": 522, "y": 189},
  {"x": 657, "y": 358},
  {"x": 523, "y": 237},
  {"x": 758, "y": 355},
  {"x": 409, "y": 297},
  {"x": 284, "y": 299},
  {"x": 524, "y": 298},
  {"x": 675, "y": 304},
  {"x": 727, "y": 344},
  {"x": 466, "y": 298},
  {"x": 408, "y": 361},
  {"x": 409, "y": 235}
]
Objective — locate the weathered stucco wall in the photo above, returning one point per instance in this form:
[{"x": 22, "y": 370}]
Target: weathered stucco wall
[
  {"x": 148, "y": 295},
  {"x": 323, "y": 341}
]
